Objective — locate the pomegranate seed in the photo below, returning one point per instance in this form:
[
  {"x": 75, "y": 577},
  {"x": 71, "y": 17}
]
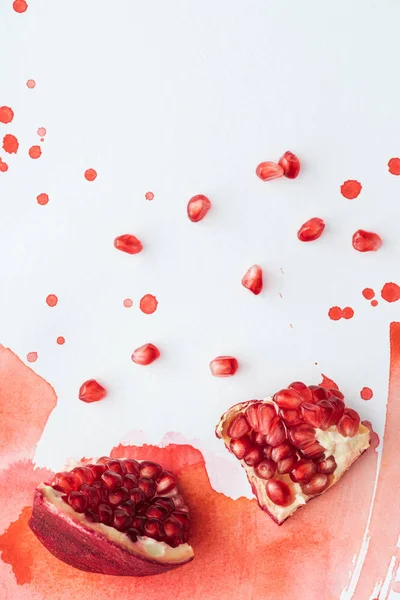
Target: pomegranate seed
[
  {"x": 132, "y": 534},
  {"x": 290, "y": 417},
  {"x": 290, "y": 165},
  {"x": 97, "y": 470},
  {"x": 337, "y": 393},
  {"x": 182, "y": 518},
  {"x": 132, "y": 466},
  {"x": 130, "y": 481},
  {"x": 129, "y": 507},
  {"x": 83, "y": 474},
  {"x": 302, "y": 389},
  {"x": 150, "y": 469},
  {"x": 313, "y": 451},
  {"x": 148, "y": 487},
  {"x": 303, "y": 471},
  {"x": 318, "y": 484},
  {"x": 224, "y": 366},
  {"x": 92, "y": 495},
  {"x": 128, "y": 243},
  {"x": 327, "y": 465},
  {"x": 254, "y": 456},
  {"x": 103, "y": 460},
  {"x": 117, "y": 466},
  {"x": 277, "y": 433},
  {"x": 338, "y": 410},
  {"x": 198, "y": 207},
  {"x": 111, "y": 480},
  {"x": 278, "y": 492},
  {"x": 122, "y": 520},
  {"x": 146, "y": 354},
  {"x": 154, "y": 529},
  {"x": 168, "y": 503},
  {"x": 253, "y": 279},
  {"x": 92, "y": 517},
  {"x": 282, "y": 451},
  {"x": 267, "y": 451},
  {"x": 240, "y": 447},
  {"x": 101, "y": 490},
  {"x": 286, "y": 465},
  {"x": 91, "y": 391},
  {"x": 138, "y": 523},
  {"x": 318, "y": 393},
  {"x": 265, "y": 469},
  {"x": 349, "y": 423},
  {"x": 238, "y": 427},
  {"x": 65, "y": 482},
  {"x": 269, "y": 170},
  {"x": 165, "y": 483},
  {"x": 366, "y": 241},
  {"x": 78, "y": 501},
  {"x": 257, "y": 438},
  {"x": 288, "y": 399},
  {"x": 105, "y": 514},
  {"x": 172, "y": 528},
  {"x": 260, "y": 416},
  {"x": 311, "y": 230},
  {"x": 327, "y": 410},
  {"x": 118, "y": 496},
  {"x": 311, "y": 414},
  {"x": 179, "y": 503},
  {"x": 157, "y": 512},
  {"x": 302, "y": 435}
]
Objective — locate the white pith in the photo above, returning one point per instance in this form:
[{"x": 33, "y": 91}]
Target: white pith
[
  {"x": 145, "y": 547},
  {"x": 345, "y": 451}
]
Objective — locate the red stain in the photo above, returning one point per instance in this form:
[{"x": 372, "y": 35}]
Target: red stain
[
  {"x": 6, "y": 114},
  {"x": 348, "y": 313},
  {"x": 335, "y": 313},
  {"x": 60, "y": 340},
  {"x": 351, "y": 189},
  {"x": 90, "y": 174},
  {"x": 368, "y": 293},
  {"x": 3, "y": 166},
  {"x": 20, "y": 6},
  {"x": 366, "y": 393},
  {"x": 149, "y": 196},
  {"x": 31, "y": 83},
  {"x": 394, "y": 166},
  {"x": 327, "y": 383},
  {"x": 51, "y": 300},
  {"x": 32, "y": 356},
  {"x": 374, "y": 303},
  {"x": 41, "y": 131},
  {"x": 10, "y": 143},
  {"x": 35, "y": 152},
  {"x": 42, "y": 199},
  {"x": 128, "y": 303},
  {"x": 148, "y": 304},
  {"x": 390, "y": 292}
]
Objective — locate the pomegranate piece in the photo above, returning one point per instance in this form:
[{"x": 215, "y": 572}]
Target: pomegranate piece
[
  {"x": 253, "y": 279},
  {"x": 146, "y": 354},
  {"x": 278, "y": 492},
  {"x": 327, "y": 465},
  {"x": 269, "y": 170},
  {"x": 198, "y": 207},
  {"x": 288, "y": 398},
  {"x": 290, "y": 165},
  {"x": 366, "y": 241},
  {"x": 318, "y": 484},
  {"x": 92, "y": 391},
  {"x": 128, "y": 243},
  {"x": 311, "y": 230},
  {"x": 266, "y": 469},
  {"x": 349, "y": 423},
  {"x": 238, "y": 427},
  {"x": 303, "y": 471},
  {"x": 260, "y": 416},
  {"x": 224, "y": 366}
]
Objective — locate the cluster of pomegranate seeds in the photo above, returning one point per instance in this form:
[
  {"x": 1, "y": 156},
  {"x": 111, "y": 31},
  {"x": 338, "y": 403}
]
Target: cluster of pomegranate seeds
[
  {"x": 92, "y": 391},
  {"x": 366, "y": 241},
  {"x": 146, "y": 354},
  {"x": 136, "y": 498},
  {"x": 282, "y": 441},
  {"x": 253, "y": 279},
  {"x": 198, "y": 207},
  {"x": 311, "y": 230},
  {"x": 288, "y": 166},
  {"x": 224, "y": 366},
  {"x": 128, "y": 243}
]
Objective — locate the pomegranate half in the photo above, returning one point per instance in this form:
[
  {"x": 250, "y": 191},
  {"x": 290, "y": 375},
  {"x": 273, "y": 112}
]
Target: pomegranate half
[
  {"x": 294, "y": 445},
  {"x": 116, "y": 517}
]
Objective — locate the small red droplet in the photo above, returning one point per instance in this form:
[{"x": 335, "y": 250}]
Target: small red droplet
[
  {"x": 92, "y": 391},
  {"x": 90, "y": 174},
  {"x": 128, "y": 243},
  {"x": 269, "y": 170},
  {"x": 35, "y": 152},
  {"x": 148, "y": 304},
  {"x": 42, "y": 139},
  {"x": 366, "y": 241},
  {"x": 42, "y": 199},
  {"x": 335, "y": 313},
  {"x": 374, "y": 303},
  {"x": 60, "y": 340},
  {"x": 311, "y": 230},
  {"x": 6, "y": 114},
  {"x": 394, "y": 166},
  {"x": 3, "y": 166},
  {"x": 390, "y": 292},
  {"x": 351, "y": 189},
  {"x": 348, "y": 313},
  {"x": 10, "y": 143},
  {"x": 41, "y": 131},
  {"x": 368, "y": 293},
  {"x": 31, "y": 84},
  {"x": 149, "y": 196},
  {"x": 290, "y": 165},
  {"x": 51, "y": 300},
  {"x": 366, "y": 393},
  {"x": 20, "y": 6},
  {"x": 128, "y": 303},
  {"x": 198, "y": 207},
  {"x": 32, "y": 356}
]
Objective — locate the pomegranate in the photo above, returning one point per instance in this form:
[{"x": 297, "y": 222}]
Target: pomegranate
[
  {"x": 366, "y": 241},
  {"x": 128, "y": 243},
  {"x": 269, "y": 170},
  {"x": 198, "y": 207},
  {"x": 224, "y": 366},
  {"x": 290, "y": 165},
  {"x": 311, "y": 230},
  {"x": 253, "y": 279},
  {"x": 128, "y": 518},
  {"x": 146, "y": 354},
  {"x": 92, "y": 391},
  {"x": 294, "y": 445}
]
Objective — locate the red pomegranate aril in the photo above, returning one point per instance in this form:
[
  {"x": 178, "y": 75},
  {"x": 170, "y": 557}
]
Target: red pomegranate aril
[
  {"x": 366, "y": 241},
  {"x": 129, "y": 507},
  {"x": 148, "y": 487},
  {"x": 92, "y": 391},
  {"x": 132, "y": 466},
  {"x": 118, "y": 496},
  {"x": 338, "y": 410},
  {"x": 103, "y": 460},
  {"x": 318, "y": 484},
  {"x": 277, "y": 433},
  {"x": 132, "y": 534},
  {"x": 117, "y": 466},
  {"x": 349, "y": 423},
  {"x": 172, "y": 528},
  {"x": 157, "y": 512},
  {"x": 337, "y": 393},
  {"x": 238, "y": 427},
  {"x": 138, "y": 523},
  {"x": 150, "y": 469},
  {"x": 301, "y": 435},
  {"x": 137, "y": 495},
  {"x": 198, "y": 207},
  {"x": 318, "y": 393},
  {"x": 260, "y": 416},
  {"x": 128, "y": 243},
  {"x": 303, "y": 471},
  {"x": 288, "y": 398},
  {"x": 278, "y": 492},
  {"x": 111, "y": 480},
  {"x": 101, "y": 490},
  {"x": 302, "y": 389},
  {"x": 311, "y": 230},
  {"x": 282, "y": 451},
  {"x": 65, "y": 482},
  {"x": 313, "y": 451},
  {"x": 92, "y": 495},
  {"x": 130, "y": 481},
  {"x": 327, "y": 410},
  {"x": 97, "y": 470},
  {"x": 290, "y": 165},
  {"x": 267, "y": 451},
  {"x": 168, "y": 503},
  {"x": 253, "y": 279},
  {"x": 83, "y": 474},
  {"x": 121, "y": 520},
  {"x": 269, "y": 170},
  {"x": 254, "y": 456},
  {"x": 290, "y": 417},
  {"x": 78, "y": 501},
  {"x": 145, "y": 355},
  {"x": 182, "y": 518},
  {"x": 224, "y": 366},
  {"x": 311, "y": 414},
  {"x": 327, "y": 465},
  {"x": 257, "y": 438},
  {"x": 92, "y": 516},
  {"x": 165, "y": 483},
  {"x": 265, "y": 469},
  {"x": 286, "y": 465},
  {"x": 105, "y": 514},
  {"x": 154, "y": 529}
]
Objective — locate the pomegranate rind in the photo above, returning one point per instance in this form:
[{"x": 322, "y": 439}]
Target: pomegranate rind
[{"x": 96, "y": 547}]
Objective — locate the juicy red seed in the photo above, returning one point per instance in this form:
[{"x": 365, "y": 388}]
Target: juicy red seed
[
  {"x": 130, "y": 481},
  {"x": 121, "y": 520},
  {"x": 318, "y": 393},
  {"x": 337, "y": 393},
  {"x": 129, "y": 507},
  {"x": 282, "y": 451},
  {"x": 290, "y": 165},
  {"x": 257, "y": 438},
  {"x": 168, "y": 503},
  {"x": 105, "y": 514},
  {"x": 92, "y": 495},
  {"x": 267, "y": 451},
  {"x": 78, "y": 501},
  {"x": 311, "y": 230},
  {"x": 83, "y": 474},
  {"x": 198, "y": 207},
  {"x": 116, "y": 465},
  {"x": 290, "y": 417},
  {"x": 311, "y": 414},
  {"x": 278, "y": 492},
  {"x": 97, "y": 470},
  {"x": 154, "y": 529},
  {"x": 313, "y": 451},
  {"x": 165, "y": 483},
  {"x": 349, "y": 423},
  {"x": 172, "y": 528},
  {"x": 331, "y": 411},
  {"x": 301, "y": 435},
  {"x": 288, "y": 398},
  {"x": 118, "y": 496},
  {"x": 103, "y": 460},
  {"x": 327, "y": 465},
  {"x": 240, "y": 447},
  {"x": 148, "y": 487},
  {"x": 253, "y": 279},
  {"x": 137, "y": 495},
  {"x": 133, "y": 534},
  {"x": 277, "y": 433},
  {"x": 128, "y": 243},
  {"x": 254, "y": 456},
  {"x": 92, "y": 517},
  {"x": 182, "y": 518},
  {"x": 150, "y": 469},
  {"x": 111, "y": 480},
  {"x": 92, "y": 391},
  {"x": 302, "y": 389},
  {"x": 265, "y": 469},
  {"x": 65, "y": 482},
  {"x": 157, "y": 512},
  {"x": 101, "y": 490},
  {"x": 132, "y": 466},
  {"x": 286, "y": 465},
  {"x": 238, "y": 427},
  {"x": 366, "y": 241},
  {"x": 318, "y": 484},
  {"x": 145, "y": 355},
  {"x": 224, "y": 366},
  {"x": 260, "y": 415},
  {"x": 138, "y": 523},
  {"x": 303, "y": 471},
  {"x": 338, "y": 410},
  {"x": 269, "y": 170}
]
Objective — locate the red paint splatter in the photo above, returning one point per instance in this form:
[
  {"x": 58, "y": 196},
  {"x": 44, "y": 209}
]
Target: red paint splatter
[
  {"x": 51, "y": 300},
  {"x": 10, "y": 143},
  {"x": 20, "y": 6},
  {"x": 394, "y": 166},
  {"x": 60, "y": 340},
  {"x": 42, "y": 199},
  {"x": 42, "y": 139},
  {"x": 31, "y": 83},
  {"x": 35, "y": 152},
  {"x": 327, "y": 383},
  {"x": 41, "y": 131},
  {"x": 390, "y": 292},
  {"x": 6, "y": 114},
  {"x": 148, "y": 304},
  {"x": 32, "y": 356},
  {"x": 335, "y": 313},
  {"x": 90, "y": 174},
  {"x": 351, "y": 189},
  {"x": 366, "y": 393},
  {"x": 149, "y": 196},
  {"x": 348, "y": 313},
  {"x": 368, "y": 293},
  {"x": 3, "y": 166},
  {"x": 128, "y": 303},
  {"x": 374, "y": 303}
]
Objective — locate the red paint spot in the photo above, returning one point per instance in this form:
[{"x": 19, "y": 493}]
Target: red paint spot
[
  {"x": 51, "y": 300},
  {"x": 366, "y": 393},
  {"x": 90, "y": 174},
  {"x": 42, "y": 199},
  {"x": 335, "y": 313},
  {"x": 32, "y": 356},
  {"x": 374, "y": 303},
  {"x": 149, "y": 196},
  {"x": 6, "y": 114},
  {"x": 148, "y": 304},
  {"x": 327, "y": 383},
  {"x": 368, "y": 293},
  {"x": 60, "y": 340},
  {"x": 20, "y": 6},
  {"x": 351, "y": 189},
  {"x": 35, "y": 152},
  {"x": 390, "y": 292},
  {"x": 10, "y": 143},
  {"x": 3, "y": 166},
  {"x": 348, "y": 312},
  {"x": 42, "y": 139},
  {"x": 31, "y": 84},
  {"x": 41, "y": 131},
  {"x": 394, "y": 166},
  {"x": 128, "y": 303}
]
